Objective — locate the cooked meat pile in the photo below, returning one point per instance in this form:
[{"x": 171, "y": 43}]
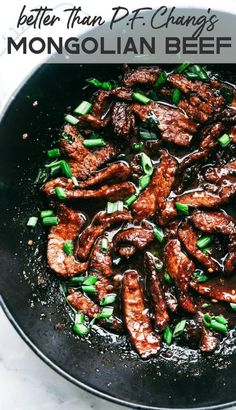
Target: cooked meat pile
[{"x": 143, "y": 186}]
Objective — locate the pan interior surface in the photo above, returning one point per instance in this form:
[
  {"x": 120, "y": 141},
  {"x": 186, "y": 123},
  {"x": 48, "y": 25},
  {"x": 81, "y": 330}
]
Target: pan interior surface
[{"x": 104, "y": 364}]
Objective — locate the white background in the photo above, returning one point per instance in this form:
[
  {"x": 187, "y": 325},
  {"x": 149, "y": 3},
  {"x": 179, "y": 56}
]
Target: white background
[{"x": 26, "y": 383}]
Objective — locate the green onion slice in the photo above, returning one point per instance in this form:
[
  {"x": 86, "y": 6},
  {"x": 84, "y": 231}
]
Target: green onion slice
[
  {"x": 77, "y": 280},
  {"x": 68, "y": 247},
  {"x": 48, "y": 212},
  {"x": 106, "y": 85},
  {"x": 144, "y": 181},
  {"x": 224, "y": 140},
  {"x": 168, "y": 335},
  {"x": 147, "y": 135},
  {"x": 71, "y": 119},
  {"x": 108, "y": 299},
  {"x": 182, "y": 67},
  {"x": 158, "y": 233},
  {"x": 81, "y": 329},
  {"x": 200, "y": 72},
  {"x": 94, "y": 81},
  {"x": 105, "y": 313},
  {"x": 75, "y": 181},
  {"x": 32, "y": 221},
  {"x": 53, "y": 153},
  {"x": 221, "y": 319},
  {"x": 79, "y": 318},
  {"x": 146, "y": 164},
  {"x": 90, "y": 280},
  {"x": 233, "y": 306},
  {"x": 227, "y": 93},
  {"x": 141, "y": 98},
  {"x": 211, "y": 322},
  {"x": 161, "y": 80},
  {"x": 104, "y": 245},
  {"x": 167, "y": 277},
  {"x": 179, "y": 328},
  {"x": 114, "y": 207},
  {"x": 203, "y": 242},
  {"x": 199, "y": 276},
  {"x": 65, "y": 167},
  {"x": 94, "y": 143},
  {"x": 138, "y": 147},
  {"x": 83, "y": 108},
  {"x": 129, "y": 201},
  {"x": 50, "y": 220},
  {"x": 158, "y": 263},
  {"x": 206, "y": 305},
  {"x": 182, "y": 208},
  {"x": 176, "y": 95},
  {"x": 89, "y": 288},
  {"x": 60, "y": 192}
]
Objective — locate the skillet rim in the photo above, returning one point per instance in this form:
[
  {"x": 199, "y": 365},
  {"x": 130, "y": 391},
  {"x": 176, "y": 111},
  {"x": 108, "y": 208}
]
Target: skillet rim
[{"x": 37, "y": 350}]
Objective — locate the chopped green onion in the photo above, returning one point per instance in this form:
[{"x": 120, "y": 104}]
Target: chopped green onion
[
  {"x": 105, "y": 313},
  {"x": 53, "y": 164},
  {"x": 129, "y": 201},
  {"x": 179, "y": 328},
  {"x": 146, "y": 164},
  {"x": 201, "y": 73},
  {"x": 158, "y": 233},
  {"x": 227, "y": 93},
  {"x": 89, "y": 288},
  {"x": 75, "y": 181},
  {"x": 83, "y": 108},
  {"x": 68, "y": 247},
  {"x": 147, "y": 135},
  {"x": 182, "y": 208},
  {"x": 93, "y": 81},
  {"x": 32, "y": 221},
  {"x": 138, "y": 147},
  {"x": 114, "y": 207},
  {"x": 48, "y": 212},
  {"x": 176, "y": 96},
  {"x": 90, "y": 280},
  {"x": 104, "y": 245},
  {"x": 53, "y": 153},
  {"x": 68, "y": 137},
  {"x": 182, "y": 67},
  {"x": 42, "y": 176},
  {"x": 50, "y": 220},
  {"x": 191, "y": 76},
  {"x": 106, "y": 85},
  {"x": 161, "y": 79},
  {"x": 94, "y": 136},
  {"x": 108, "y": 299},
  {"x": 141, "y": 98},
  {"x": 77, "y": 280},
  {"x": 71, "y": 119},
  {"x": 199, "y": 276},
  {"x": 203, "y": 242},
  {"x": 55, "y": 170},
  {"x": 168, "y": 335},
  {"x": 144, "y": 181},
  {"x": 65, "y": 167},
  {"x": 207, "y": 250},
  {"x": 224, "y": 140},
  {"x": 206, "y": 305},
  {"x": 233, "y": 306},
  {"x": 94, "y": 143},
  {"x": 60, "y": 192},
  {"x": 211, "y": 322},
  {"x": 167, "y": 277},
  {"x": 221, "y": 319},
  {"x": 81, "y": 329},
  {"x": 79, "y": 318}
]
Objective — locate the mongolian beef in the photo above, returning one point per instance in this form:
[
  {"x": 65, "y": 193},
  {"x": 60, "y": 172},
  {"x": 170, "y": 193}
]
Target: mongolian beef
[{"x": 141, "y": 190}]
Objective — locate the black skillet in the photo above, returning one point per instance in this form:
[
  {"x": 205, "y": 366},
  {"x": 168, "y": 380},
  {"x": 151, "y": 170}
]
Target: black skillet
[{"x": 30, "y": 294}]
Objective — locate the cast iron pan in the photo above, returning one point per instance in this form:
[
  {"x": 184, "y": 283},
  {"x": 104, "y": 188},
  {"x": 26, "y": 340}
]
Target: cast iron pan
[{"x": 30, "y": 293}]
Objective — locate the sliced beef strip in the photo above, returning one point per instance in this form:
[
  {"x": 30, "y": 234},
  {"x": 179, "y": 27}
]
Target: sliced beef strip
[
  {"x": 136, "y": 317},
  {"x": 230, "y": 261},
  {"x": 202, "y": 198},
  {"x": 100, "y": 223},
  {"x": 123, "y": 121},
  {"x": 141, "y": 75},
  {"x": 153, "y": 199},
  {"x": 70, "y": 224},
  {"x": 161, "y": 317},
  {"x": 114, "y": 192},
  {"x": 216, "y": 289},
  {"x": 127, "y": 241},
  {"x": 118, "y": 171},
  {"x": 221, "y": 173},
  {"x": 214, "y": 221},
  {"x": 203, "y": 100},
  {"x": 188, "y": 237},
  {"x": 82, "y": 161},
  {"x": 101, "y": 260},
  {"x": 85, "y": 305},
  {"x": 181, "y": 269},
  {"x": 173, "y": 125}
]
